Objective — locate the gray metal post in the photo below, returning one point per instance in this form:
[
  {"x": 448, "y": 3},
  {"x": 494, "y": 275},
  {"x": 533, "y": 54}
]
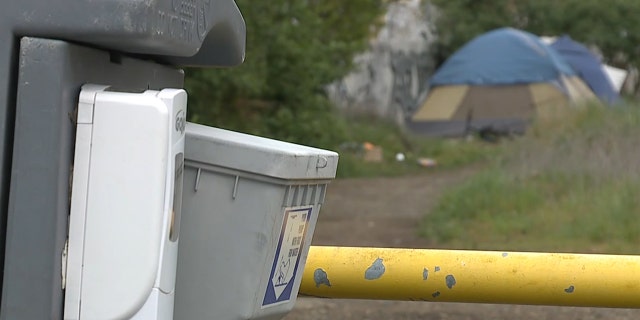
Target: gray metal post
[{"x": 48, "y": 49}]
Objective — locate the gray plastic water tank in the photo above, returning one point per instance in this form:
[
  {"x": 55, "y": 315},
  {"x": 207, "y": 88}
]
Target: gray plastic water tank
[{"x": 249, "y": 210}]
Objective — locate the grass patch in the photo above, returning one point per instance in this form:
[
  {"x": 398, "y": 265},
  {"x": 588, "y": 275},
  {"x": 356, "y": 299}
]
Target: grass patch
[
  {"x": 570, "y": 185},
  {"x": 448, "y": 153}
]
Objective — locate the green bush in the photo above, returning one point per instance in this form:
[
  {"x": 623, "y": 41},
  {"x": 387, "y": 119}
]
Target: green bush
[
  {"x": 594, "y": 22},
  {"x": 294, "y": 49}
]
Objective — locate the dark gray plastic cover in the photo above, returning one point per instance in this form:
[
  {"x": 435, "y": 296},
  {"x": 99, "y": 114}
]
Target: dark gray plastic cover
[
  {"x": 178, "y": 32},
  {"x": 48, "y": 84}
]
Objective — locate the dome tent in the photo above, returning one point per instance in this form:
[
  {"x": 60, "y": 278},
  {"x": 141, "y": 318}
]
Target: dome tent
[
  {"x": 496, "y": 81},
  {"x": 588, "y": 67}
]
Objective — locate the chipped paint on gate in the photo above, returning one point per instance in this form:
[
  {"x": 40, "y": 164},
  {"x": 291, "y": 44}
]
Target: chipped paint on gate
[
  {"x": 375, "y": 271},
  {"x": 450, "y": 281},
  {"x": 533, "y": 278},
  {"x": 320, "y": 277}
]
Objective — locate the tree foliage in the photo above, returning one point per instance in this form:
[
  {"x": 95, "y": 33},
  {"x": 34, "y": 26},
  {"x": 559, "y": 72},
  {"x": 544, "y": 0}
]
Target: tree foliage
[
  {"x": 294, "y": 49},
  {"x": 610, "y": 25}
]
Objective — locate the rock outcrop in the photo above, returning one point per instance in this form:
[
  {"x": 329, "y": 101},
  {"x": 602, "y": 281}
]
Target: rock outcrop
[{"x": 391, "y": 78}]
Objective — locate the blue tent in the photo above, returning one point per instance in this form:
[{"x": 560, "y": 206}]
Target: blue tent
[
  {"x": 588, "y": 67},
  {"x": 496, "y": 82},
  {"x": 501, "y": 57}
]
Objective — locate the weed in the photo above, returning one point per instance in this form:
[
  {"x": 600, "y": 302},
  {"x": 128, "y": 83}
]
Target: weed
[{"x": 571, "y": 184}]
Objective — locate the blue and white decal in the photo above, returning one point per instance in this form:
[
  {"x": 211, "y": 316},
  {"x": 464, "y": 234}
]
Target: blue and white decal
[{"x": 287, "y": 257}]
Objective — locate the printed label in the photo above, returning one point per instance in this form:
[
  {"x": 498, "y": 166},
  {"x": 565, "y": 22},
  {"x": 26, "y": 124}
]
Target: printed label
[{"x": 285, "y": 264}]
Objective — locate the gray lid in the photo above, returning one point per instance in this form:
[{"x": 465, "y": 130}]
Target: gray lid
[
  {"x": 258, "y": 155},
  {"x": 179, "y": 32}
]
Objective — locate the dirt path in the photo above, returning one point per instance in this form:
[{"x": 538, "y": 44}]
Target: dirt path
[{"x": 384, "y": 212}]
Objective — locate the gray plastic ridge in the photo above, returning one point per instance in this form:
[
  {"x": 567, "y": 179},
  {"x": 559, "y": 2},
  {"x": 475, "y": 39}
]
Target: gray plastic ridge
[
  {"x": 258, "y": 155},
  {"x": 177, "y": 32}
]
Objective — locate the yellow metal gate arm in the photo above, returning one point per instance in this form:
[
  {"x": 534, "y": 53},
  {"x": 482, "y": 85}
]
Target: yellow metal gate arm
[{"x": 473, "y": 276}]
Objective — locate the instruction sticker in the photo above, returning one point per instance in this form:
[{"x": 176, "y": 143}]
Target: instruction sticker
[{"x": 287, "y": 258}]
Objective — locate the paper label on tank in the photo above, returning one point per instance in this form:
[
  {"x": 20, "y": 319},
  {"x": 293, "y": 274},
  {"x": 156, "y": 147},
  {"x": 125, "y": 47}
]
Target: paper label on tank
[{"x": 287, "y": 257}]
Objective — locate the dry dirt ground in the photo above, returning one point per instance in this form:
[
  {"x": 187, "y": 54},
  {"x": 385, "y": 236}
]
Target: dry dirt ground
[{"x": 384, "y": 212}]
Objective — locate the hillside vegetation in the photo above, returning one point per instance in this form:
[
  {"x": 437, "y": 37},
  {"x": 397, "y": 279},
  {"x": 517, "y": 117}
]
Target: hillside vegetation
[{"x": 296, "y": 48}]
